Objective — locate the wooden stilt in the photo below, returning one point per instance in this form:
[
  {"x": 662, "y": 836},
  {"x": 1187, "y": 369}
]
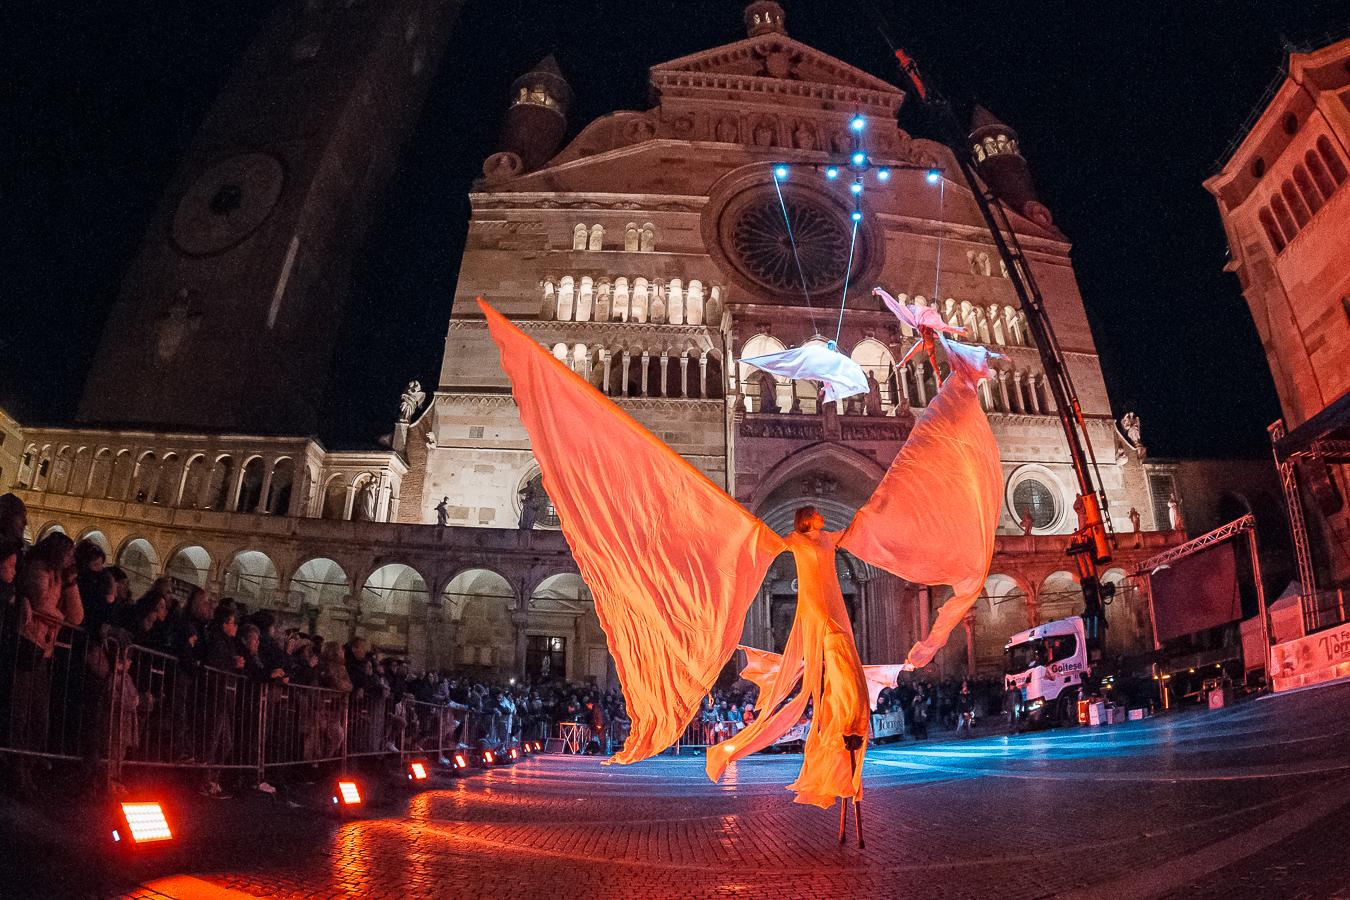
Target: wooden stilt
[
  {"x": 843, "y": 819},
  {"x": 857, "y": 820}
]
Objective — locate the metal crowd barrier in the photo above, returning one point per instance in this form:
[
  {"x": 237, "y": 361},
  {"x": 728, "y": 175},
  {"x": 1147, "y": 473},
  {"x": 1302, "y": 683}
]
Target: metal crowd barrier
[
  {"x": 126, "y": 706},
  {"x": 49, "y": 704}
]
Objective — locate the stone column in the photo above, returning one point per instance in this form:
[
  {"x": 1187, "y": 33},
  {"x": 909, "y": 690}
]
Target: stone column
[
  {"x": 347, "y": 505},
  {"x": 969, "y": 622},
  {"x": 263, "y": 504},
  {"x": 519, "y": 621}
]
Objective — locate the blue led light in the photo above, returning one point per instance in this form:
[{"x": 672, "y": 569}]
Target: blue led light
[
  {"x": 832, "y": 172},
  {"x": 856, "y": 187},
  {"x": 883, "y": 174},
  {"x": 933, "y": 176},
  {"x": 856, "y": 216},
  {"x": 859, "y": 158},
  {"x": 858, "y": 123},
  {"x": 780, "y": 172}
]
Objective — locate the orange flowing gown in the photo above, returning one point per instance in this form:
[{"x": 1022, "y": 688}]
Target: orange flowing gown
[{"x": 674, "y": 563}]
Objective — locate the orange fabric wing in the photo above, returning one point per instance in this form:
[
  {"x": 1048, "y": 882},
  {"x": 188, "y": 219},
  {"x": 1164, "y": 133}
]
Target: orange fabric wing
[
  {"x": 761, "y": 668},
  {"x": 932, "y": 518},
  {"x": 673, "y": 562}
]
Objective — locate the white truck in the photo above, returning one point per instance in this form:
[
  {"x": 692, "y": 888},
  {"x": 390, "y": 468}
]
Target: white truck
[{"x": 1046, "y": 666}]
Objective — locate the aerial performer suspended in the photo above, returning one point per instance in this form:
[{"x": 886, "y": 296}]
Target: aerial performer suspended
[{"x": 674, "y": 562}]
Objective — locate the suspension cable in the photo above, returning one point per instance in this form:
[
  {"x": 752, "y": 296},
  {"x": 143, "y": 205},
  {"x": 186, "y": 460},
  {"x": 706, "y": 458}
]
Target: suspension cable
[
  {"x": 792, "y": 240},
  {"x": 848, "y": 273}
]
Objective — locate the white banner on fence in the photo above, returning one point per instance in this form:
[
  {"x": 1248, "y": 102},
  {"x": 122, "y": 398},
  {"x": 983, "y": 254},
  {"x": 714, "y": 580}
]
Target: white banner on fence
[{"x": 1311, "y": 660}]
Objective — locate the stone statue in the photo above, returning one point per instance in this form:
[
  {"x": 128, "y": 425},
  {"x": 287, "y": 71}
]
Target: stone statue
[
  {"x": 443, "y": 512},
  {"x": 366, "y": 500},
  {"x": 726, "y": 131},
  {"x": 532, "y": 499},
  {"x": 1027, "y": 523},
  {"x": 764, "y": 136},
  {"x": 1133, "y": 516},
  {"x": 411, "y": 401},
  {"x": 803, "y": 138},
  {"x": 1129, "y": 425},
  {"x": 873, "y": 407},
  {"x": 768, "y": 393},
  {"x": 1174, "y": 513}
]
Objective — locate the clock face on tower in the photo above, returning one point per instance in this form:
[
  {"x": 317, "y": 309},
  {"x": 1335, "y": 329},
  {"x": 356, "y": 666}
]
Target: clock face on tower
[{"x": 227, "y": 203}]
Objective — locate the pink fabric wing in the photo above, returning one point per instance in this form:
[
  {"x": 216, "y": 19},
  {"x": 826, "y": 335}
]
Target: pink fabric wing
[
  {"x": 932, "y": 518},
  {"x": 673, "y": 562},
  {"x": 917, "y": 317}
]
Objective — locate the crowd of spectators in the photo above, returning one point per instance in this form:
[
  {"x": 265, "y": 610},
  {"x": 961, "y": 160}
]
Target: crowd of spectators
[{"x": 58, "y": 583}]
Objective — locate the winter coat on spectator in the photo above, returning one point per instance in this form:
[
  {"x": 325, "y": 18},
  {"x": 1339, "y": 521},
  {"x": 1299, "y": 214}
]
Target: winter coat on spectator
[
  {"x": 47, "y": 602},
  {"x": 221, "y": 652}
]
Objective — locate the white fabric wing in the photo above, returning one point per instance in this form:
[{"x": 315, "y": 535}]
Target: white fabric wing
[{"x": 841, "y": 376}]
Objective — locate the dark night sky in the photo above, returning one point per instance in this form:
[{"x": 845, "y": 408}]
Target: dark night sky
[{"x": 1122, "y": 111}]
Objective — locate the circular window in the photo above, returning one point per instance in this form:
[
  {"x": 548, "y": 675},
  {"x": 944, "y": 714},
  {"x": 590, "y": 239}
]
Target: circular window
[
  {"x": 536, "y": 509},
  {"x": 1032, "y": 497},
  {"x": 762, "y": 244},
  {"x": 748, "y": 237}
]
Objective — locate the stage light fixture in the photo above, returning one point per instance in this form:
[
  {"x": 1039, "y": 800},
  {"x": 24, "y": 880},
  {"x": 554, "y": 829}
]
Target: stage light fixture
[
  {"x": 883, "y": 174},
  {"x": 857, "y": 123},
  {"x": 417, "y": 771},
  {"x": 933, "y": 176},
  {"x": 142, "y": 822},
  {"x": 780, "y": 172},
  {"x": 515, "y": 754},
  {"x": 859, "y": 158},
  {"x": 348, "y": 794},
  {"x": 488, "y": 757},
  {"x": 856, "y": 187},
  {"x": 832, "y": 172},
  {"x": 460, "y": 761},
  {"x": 856, "y": 216}
]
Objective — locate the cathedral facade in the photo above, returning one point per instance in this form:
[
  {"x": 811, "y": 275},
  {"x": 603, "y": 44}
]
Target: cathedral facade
[{"x": 650, "y": 253}]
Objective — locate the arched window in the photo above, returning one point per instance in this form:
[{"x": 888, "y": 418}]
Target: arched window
[
  {"x": 876, "y": 360},
  {"x": 630, "y": 237},
  {"x": 250, "y": 486},
  {"x": 252, "y": 577},
  {"x": 222, "y": 478},
  {"x": 638, "y": 311},
  {"x": 749, "y": 376},
  {"x": 1332, "y": 160},
  {"x": 585, "y": 298},
  {"x": 549, "y": 311},
  {"x": 334, "y": 499},
  {"x": 1310, "y": 194},
  {"x": 144, "y": 483},
  {"x": 1272, "y": 230},
  {"x": 566, "y": 298},
  {"x": 1295, "y": 202},
  {"x": 597, "y": 238},
  {"x": 170, "y": 476},
  {"x": 675, "y": 302},
  {"x": 579, "y": 235},
  {"x": 100, "y": 479},
  {"x": 581, "y": 361},
  {"x": 620, "y": 310},
  {"x": 648, "y": 240},
  {"x": 693, "y": 303},
  {"x": 656, "y": 309},
  {"x": 602, "y": 310},
  {"x": 1287, "y": 226},
  {"x": 712, "y": 312},
  {"x": 995, "y": 318},
  {"x": 1319, "y": 173},
  {"x": 279, "y": 491}
]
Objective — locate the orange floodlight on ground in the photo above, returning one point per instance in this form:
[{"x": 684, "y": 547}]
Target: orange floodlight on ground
[
  {"x": 348, "y": 794},
  {"x": 461, "y": 762},
  {"x": 417, "y": 771},
  {"x": 142, "y": 823},
  {"x": 515, "y": 754},
  {"x": 488, "y": 757}
]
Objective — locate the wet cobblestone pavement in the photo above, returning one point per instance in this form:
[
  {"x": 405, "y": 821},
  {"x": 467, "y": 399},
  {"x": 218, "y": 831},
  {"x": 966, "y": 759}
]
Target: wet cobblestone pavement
[{"x": 1250, "y": 801}]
